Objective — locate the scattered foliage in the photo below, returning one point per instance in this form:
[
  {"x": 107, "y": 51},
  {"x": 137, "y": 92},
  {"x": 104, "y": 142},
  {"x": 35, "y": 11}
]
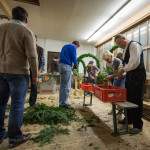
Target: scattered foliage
[{"x": 46, "y": 135}]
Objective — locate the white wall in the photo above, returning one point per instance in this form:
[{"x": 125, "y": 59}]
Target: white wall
[{"x": 56, "y": 46}]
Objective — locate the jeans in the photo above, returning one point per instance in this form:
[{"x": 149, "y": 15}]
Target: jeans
[
  {"x": 119, "y": 82},
  {"x": 33, "y": 93},
  {"x": 15, "y": 86},
  {"x": 65, "y": 83}
]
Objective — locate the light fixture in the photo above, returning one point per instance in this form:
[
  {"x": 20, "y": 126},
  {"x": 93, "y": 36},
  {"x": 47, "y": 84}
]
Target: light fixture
[
  {"x": 126, "y": 9},
  {"x": 105, "y": 25}
]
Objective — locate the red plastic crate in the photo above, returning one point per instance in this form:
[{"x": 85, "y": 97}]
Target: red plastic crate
[
  {"x": 110, "y": 93},
  {"x": 86, "y": 86}
]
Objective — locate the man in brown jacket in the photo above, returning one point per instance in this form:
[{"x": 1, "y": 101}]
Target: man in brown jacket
[{"x": 17, "y": 52}]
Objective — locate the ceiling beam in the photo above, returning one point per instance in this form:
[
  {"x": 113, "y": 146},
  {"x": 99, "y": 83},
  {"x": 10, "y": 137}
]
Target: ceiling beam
[{"x": 5, "y": 8}]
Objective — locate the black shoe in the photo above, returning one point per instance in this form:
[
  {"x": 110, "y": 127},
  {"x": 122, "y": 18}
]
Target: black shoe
[
  {"x": 135, "y": 131},
  {"x": 34, "y": 105},
  {"x": 67, "y": 106},
  {"x": 124, "y": 122},
  {"x": 4, "y": 137},
  {"x": 22, "y": 140}
]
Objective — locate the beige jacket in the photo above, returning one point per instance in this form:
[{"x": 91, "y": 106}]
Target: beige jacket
[{"x": 17, "y": 50}]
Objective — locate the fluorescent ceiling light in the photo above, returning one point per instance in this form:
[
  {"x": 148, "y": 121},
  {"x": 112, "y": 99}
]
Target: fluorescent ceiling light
[{"x": 125, "y": 10}]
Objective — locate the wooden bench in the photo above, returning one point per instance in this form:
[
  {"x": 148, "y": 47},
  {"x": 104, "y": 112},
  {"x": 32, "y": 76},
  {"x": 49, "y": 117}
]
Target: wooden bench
[{"x": 123, "y": 106}]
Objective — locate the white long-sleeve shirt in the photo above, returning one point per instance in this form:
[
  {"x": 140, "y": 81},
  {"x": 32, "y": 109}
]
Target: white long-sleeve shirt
[{"x": 135, "y": 51}]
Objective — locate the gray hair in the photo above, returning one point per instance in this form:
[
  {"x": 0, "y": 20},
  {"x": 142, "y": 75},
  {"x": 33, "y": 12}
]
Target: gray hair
[
  {"x": 106, "y": 55},
  {"x": 118, "y": 36}
]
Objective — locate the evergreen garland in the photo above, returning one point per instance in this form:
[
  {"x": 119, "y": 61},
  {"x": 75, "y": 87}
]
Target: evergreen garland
[
  {"x": 79, "y": 59},
  {"x": 113, "y": 48}
]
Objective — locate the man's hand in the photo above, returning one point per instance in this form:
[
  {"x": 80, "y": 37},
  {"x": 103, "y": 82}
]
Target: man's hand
[
  {"x": 74, "y": 67},
  {"x": 35, "y": 80},
  {"x": 109, "y": 77},
  {"x": 39, "y": 71},
  {"x": 119, "y": 73},
  {"x": 93, "y": 78},
  {"x": 96, "y": 74}
]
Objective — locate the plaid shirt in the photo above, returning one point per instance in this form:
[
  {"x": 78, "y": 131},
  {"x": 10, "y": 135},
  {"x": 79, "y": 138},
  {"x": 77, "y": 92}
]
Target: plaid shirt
[
  {"x": 42, "y": 62},
  {"x": 93, "y": 71}
]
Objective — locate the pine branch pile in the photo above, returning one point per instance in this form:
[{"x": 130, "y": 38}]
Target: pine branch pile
[{"x": 44, "y": 114}]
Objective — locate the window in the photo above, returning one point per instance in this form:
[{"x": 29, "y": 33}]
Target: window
[
  {"x": 143, "y": 34},
  {"x": 108, "y": 46},
  {"x": 105, "y": 47},
  {"x": 136, "y": 34},
  {"x": 149, "y": 33},
  {"x": 97, "y": 52},
  {"x": 124, "y": 34},
  {"x": 144, "y": 57},
  {"x": 148, "y": 60},
  {"x": 129, "y": 36}
]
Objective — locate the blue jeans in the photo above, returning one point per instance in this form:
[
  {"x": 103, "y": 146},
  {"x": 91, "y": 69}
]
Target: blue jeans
[
  {"x": 65, "y": 82},
  {"x": 33, "y": 93},
  {"x": 119, "y": 82},
  {"x": 15, "y": 86}
]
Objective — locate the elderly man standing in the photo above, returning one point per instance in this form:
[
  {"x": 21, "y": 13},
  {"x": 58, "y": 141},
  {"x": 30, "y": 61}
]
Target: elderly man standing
[
  {"x": 67, "y": 58},
  {"x": 133, "y": 64},
  {"x": 17, "y": 52}
]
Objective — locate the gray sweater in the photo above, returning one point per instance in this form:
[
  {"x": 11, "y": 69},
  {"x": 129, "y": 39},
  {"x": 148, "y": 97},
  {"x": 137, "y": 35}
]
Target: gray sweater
[
  {"x": 17, "y": 50},
  {"x": 115, "y": 63}
]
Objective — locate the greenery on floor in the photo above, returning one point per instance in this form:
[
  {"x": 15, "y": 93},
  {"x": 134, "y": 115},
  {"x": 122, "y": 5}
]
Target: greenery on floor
[
  {"x": 44, "y": 114},
  {"x": 46, "y": 135}
]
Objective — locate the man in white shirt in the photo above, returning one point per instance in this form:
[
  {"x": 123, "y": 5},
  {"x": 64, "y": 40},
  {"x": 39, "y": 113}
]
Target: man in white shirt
[{"x": 133, "y": 64}]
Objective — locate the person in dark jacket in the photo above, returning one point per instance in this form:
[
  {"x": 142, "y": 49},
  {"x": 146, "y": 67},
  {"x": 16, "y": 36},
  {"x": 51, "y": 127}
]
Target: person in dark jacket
[
  {"x": 55, "y": 65},
  {"x": 133, "y": 64},
  {"x": 41, "y": 64}
]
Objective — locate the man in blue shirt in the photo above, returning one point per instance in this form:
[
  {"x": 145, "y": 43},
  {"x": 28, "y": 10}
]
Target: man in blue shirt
[
  {"x": 41, "y": 64},
  {"x": 67, "y": 58}
]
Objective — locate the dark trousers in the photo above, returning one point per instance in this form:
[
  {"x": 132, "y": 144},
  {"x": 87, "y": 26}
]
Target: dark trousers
[
  {"x": 134, "y": 85},
  {"x": 33, "y": 93},
  {"x": 92, "y": 80}
]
